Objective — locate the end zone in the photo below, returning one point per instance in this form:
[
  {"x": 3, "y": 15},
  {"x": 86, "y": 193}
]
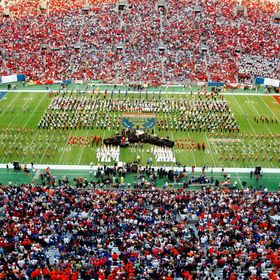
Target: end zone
[
  {"x": 277, "y": 98},
  {"x": 3, "y": 94}
]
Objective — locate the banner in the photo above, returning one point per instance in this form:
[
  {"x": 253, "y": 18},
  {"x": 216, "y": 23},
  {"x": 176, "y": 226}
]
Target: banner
[
  {"x": 267, "y": 82},
  {"x": 259, "y": 81},
  {"x": 66, "y": 82},
  {"x": 138, "y": 121},
  {"x": 215, "y": 84},
  {"x": 12, "y": 79},
  {"x": 8, "y": 79},
  {"x": 20, "y": 78},
  {"x": 271, "y": 82}
]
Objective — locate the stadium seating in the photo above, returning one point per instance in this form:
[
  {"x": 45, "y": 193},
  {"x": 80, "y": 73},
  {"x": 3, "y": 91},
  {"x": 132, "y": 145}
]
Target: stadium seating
[
  {"x": 140, "y": 43},
  {"x": 70, "y": 233}
]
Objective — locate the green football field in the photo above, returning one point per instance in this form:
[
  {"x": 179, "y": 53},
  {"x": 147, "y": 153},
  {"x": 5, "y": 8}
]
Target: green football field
[{"x": 257, "y": 143}]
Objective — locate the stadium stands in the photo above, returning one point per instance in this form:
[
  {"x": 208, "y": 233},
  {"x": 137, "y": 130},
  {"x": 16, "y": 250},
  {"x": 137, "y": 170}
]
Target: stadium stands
[
  {"x": 71, "y": 233},
  {"x": 141, "y": 43},
  {"x": 107, "y": 230}
]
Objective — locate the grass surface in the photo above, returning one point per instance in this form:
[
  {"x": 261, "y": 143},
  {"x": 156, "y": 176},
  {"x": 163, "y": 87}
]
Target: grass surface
[
  {"x": 269, "y": 180},
  {"x": 21, "y": 112}
]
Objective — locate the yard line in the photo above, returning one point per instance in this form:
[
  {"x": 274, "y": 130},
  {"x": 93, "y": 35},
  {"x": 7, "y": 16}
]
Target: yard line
[
  {"x": 102, "y": 142},
  {"x": 252, "y": 105},
  {"x": 192, "y": 152},
  {"x": 64, "y": 147},
  {"x": 46, "y": 149},
  {"x": 169, "y": 114},
  {"x": 241, "y": 110},
  {"x": 269, "y": 109},
  {"x": 82, "y": 150},
  {"x": 265, "y": 124},
  {"x": 248, "y": 121},
  {"x": 15, "y": 115},
  {"x": 31, "y": 115},
  {"x": 27, "y": 121},
  {"x": 10, "y": 103},
  {"x": 252, "y": 162},
  {"x": 33, "y": 139},
  {"x": 208, "y": 143}
]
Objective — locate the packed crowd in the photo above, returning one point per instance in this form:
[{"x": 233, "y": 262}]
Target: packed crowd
[
  {"x": 70, "y": 233},
  {"x": 207, "y": 113},
  {"x": 141, "y": 42}
]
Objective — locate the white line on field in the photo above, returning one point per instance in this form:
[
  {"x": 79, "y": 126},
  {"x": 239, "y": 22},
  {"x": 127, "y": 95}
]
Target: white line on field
[
  {"x": 82, "y": 150},
  {"x": 10, "y": 104},
  {"x": 208, "y": 143},
  {"x": 252, "y": 105},
  {"x": 31, "y": 115},
  {"x": 269, "y": 108},
  {"x": 248, "y": 120},
  {"x": 64, "y": 147}
]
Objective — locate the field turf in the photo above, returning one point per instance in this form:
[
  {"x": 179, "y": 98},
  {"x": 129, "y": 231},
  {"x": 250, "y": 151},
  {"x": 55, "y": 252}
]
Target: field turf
[
  {"x": 257, "y": 143},
  {"x": 269, "y": 180}
]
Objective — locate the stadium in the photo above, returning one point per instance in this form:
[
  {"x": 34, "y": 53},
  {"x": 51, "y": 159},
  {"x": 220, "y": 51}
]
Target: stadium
[{"x": 140, "y": 139}]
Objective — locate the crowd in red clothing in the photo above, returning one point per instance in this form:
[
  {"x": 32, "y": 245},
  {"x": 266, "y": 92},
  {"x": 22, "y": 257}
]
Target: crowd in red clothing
[
  {"x": 138, "y": 234},
  {"x": 123, "y": 46}
]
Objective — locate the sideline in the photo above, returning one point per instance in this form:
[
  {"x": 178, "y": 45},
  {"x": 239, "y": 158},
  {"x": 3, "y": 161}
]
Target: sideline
[{"x": 95, "y": 167}]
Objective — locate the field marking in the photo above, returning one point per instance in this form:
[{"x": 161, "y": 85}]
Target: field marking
[
  {"x": 15, "y": 115},
  {"x": 103, "y": 137},
  {"x": 30, "y": 145},
  {"x": 252, "y": 162},
  {"x": 46, "y": 148},
  {"x": 192, "y": 150},
  {"x": 10, "y": 104},
  {"x": 33, "y": 110},
  {"x": 277, "y": 98},
  {"x": 69, "y": 135},
  {"x": 241, "y": 110},
  {"x": 64, "y": 147},
  {"x": 171, "y": 123},
  {"x": 265, "y": 126},
  {"x": 249, "y": 123},
  {"x": 252, "y": 105},
  {"x": 82, "y": 150},
  {"x": 242, "y": 140},
  {"x": 214, "y": 162},
  {"x": 26, "y": 122},
  {"x": 3, "y": 95},
  {"x": 269, "y": 109}
]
